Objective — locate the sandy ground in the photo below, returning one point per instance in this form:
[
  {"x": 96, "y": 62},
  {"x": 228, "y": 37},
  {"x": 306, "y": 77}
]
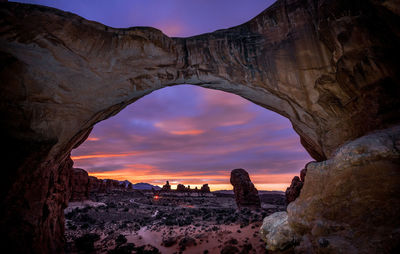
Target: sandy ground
[{"x": 136, "y": 223}]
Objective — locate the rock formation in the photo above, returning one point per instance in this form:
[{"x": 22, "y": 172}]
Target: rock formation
[
  {"x": 95, "y": 184},
  {"x": 205, "y": 188},
  {"x": 331, "y": 67},
  {"x": 293, "y": 191},
  {"x": 79, "y": 185},
  {"x": 246, "y": 194},
  {"x": 166, "y": 187},
  {"x": 367, "y": 204},
  {"x": 181, "y": 188}
]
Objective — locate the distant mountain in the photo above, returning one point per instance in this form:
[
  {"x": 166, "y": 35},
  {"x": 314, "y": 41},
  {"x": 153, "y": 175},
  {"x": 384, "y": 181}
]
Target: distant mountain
[{"x": 145, "y": 186}]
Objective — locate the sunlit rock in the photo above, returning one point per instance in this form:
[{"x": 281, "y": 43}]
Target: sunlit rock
[{"x": 277, "y": 233}]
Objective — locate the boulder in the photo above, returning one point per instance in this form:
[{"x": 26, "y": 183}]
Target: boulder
[
  {"x": 246, "y": 195},
  {"x": 277, "y": 233},
  {"x": 351, "y": 200}
]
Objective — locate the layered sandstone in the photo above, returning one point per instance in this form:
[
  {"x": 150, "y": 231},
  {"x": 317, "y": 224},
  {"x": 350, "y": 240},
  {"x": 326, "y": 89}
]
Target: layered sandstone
[
  {"x": 246, "y": 195},
  {"x": 331, "y": 67},
  {"x": 79, "y": 185}
]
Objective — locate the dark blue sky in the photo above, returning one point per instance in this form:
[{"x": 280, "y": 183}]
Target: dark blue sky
[{"x": 187, "y": 134}]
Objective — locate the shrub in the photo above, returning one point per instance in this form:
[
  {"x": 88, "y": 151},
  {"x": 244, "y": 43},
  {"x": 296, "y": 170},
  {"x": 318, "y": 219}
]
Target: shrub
[{"x": 86, "y": 242}]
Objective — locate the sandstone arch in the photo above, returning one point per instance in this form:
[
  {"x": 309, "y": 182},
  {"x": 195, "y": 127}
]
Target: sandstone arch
[{"x": 329, "y": 66}]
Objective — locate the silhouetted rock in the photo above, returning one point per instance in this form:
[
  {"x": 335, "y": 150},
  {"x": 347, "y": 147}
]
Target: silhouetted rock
[
  {"x": 108, "y": 185},
  {"x": 205, "y": 188},
  {"x": 181, "y": 188},
  {"x": 293, "y": 191},
  {"x": 94, "y": 184},
  {"x": 246, "y": 194},
  {"x": 166, "y": 187}
]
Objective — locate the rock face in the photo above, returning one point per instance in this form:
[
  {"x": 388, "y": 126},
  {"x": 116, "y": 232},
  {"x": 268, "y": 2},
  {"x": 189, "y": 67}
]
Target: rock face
[
  {"x": 331, "y": 67},
  {"x": 246, "y": 194},
  {"x": 364, "y": 176},
  {"x": 79, "y": 185},
  {"x": 95, "y": 184}
]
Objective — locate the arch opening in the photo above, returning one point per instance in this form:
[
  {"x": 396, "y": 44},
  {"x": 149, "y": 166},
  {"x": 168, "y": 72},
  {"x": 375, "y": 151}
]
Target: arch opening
[
  {"x": 185, "y": 135},
  {"x": 211, "y": 130}
]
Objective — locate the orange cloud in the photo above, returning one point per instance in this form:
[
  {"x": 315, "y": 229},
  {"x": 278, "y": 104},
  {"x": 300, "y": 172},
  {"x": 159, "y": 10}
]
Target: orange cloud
[
  {"x": 179, "y": 127},
  {"x": 92, "y": 139},
  {"x": 188, "y": 132},
  {"x": 91, "y": 156}
]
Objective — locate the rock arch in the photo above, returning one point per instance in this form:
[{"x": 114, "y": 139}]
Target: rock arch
[{"x": 331, "y": 67}]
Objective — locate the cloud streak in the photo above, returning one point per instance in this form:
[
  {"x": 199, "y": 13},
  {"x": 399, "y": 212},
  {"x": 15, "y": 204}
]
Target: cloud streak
[{"x": 190, "y": 140}]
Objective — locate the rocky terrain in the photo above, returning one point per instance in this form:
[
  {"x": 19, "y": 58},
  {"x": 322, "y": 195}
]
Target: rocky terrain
[{"x": 125, "y": 221}]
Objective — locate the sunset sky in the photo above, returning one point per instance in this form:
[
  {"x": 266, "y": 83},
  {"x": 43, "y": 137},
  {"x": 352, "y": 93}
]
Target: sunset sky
[{"x": 187, "y": 134}]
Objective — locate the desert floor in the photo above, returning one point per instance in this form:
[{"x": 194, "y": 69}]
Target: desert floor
[{"x": 137, "y": 222}]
